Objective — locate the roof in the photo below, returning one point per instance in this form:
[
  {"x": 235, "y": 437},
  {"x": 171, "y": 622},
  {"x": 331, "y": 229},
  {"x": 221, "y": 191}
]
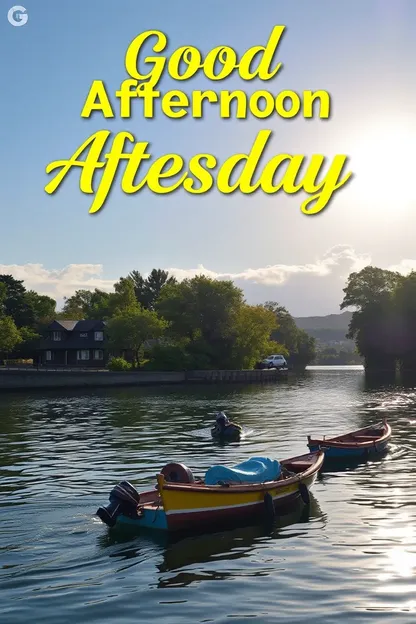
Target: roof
[{"x": 81, "y": 326}]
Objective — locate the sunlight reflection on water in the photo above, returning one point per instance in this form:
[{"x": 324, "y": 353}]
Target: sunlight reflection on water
[{"x": 352, "y": 559}]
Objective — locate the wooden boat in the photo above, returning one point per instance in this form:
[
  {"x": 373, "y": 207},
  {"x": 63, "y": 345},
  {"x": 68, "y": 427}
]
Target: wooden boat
[
  {"x": 180, "y": 502},
  {"x": 356, "y": 444}
]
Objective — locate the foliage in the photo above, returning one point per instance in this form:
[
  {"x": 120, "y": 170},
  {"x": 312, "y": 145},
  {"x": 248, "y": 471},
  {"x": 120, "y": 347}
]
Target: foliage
[
  {"x": 148, "y": 290},
  {"x": 168, "y": 357},
  {"x": 10, "y": 335},
  {"x": 253, "y": 328},
  {"x": 331, "y": 356},
  {"x": 375, "y": 325},
  {"x": 131, "y": 327},
  {"x": 118, "y": 364},
  {"x": 14, "y": 302},
  {"x": 299, "y": 344},
  {"x": 44, "y": 307}
]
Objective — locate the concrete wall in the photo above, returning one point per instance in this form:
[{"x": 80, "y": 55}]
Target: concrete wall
[{"x": 43, "y": 379}]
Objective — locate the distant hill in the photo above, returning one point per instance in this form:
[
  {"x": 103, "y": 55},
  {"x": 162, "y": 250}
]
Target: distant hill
[
  {"x": 328, "y": 330},
  {"x": 331, "y": 321}
]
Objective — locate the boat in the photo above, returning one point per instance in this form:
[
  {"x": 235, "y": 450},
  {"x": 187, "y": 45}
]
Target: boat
[
  {"x": 356, "y": 444},
  {"x": 225, "y": 430},
  {"x": 179, "y": 501}
]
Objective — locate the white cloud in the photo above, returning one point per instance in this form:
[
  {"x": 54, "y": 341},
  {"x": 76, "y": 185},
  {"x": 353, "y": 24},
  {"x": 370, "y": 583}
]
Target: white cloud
[
  {"x": 338, "y": 262},
  {"x": 340, "y": 256},
  {"x": 59, "y": 283}
]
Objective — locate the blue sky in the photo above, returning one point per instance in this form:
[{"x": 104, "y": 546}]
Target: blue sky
[{"x": 361, "y": 52}]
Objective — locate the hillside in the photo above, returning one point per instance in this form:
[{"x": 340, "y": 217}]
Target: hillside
[
  {"x": 337, "y": 322},
  {"x": 328, "y": 330}
]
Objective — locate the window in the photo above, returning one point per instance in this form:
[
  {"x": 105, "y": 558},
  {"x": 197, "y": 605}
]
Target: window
[
  {"x": 99, "y": 335},
  {"x": 48, "y": 356},
  {"x": 56, "y": 335},
  {"x": 98, "y": 354},
  {"x": 83, "y": 335},
  {"x": 83, "y": 354}
]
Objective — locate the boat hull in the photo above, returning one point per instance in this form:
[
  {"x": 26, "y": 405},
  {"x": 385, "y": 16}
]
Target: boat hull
[
  {"x": 190, "y": 506},
  {"x": 333, "y": 452},
  {"x": 354, "y": 445}
]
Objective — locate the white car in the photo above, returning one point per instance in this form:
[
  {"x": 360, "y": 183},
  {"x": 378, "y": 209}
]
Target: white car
[{"x": 275, "y": 361}]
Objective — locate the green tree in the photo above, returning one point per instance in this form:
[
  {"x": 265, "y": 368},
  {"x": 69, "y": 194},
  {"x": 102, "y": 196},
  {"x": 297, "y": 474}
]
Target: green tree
[
  {"x": 10, "y": 336},
  {"x": 300, "y": 345},
  {"x": 86, "y": 304},
  {"x": 253, "y": 327},
  {"x": 130, "y": 328},
  {"x": 148, "y": 290},
  {"x": 205, "y": 312},
  {"x": 44, "y": 307},
  {"x": 375, "y": 321},
  {"x": 14, "y": 303}
]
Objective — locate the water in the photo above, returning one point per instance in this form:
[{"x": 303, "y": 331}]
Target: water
[{"x": 352, "y": 560}]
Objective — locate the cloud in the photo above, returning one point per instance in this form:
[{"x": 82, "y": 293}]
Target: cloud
[
  {"x": 318, "y": 283},
  {"x": 342, "y": 257},
  {"x": 59, "y": 283}
]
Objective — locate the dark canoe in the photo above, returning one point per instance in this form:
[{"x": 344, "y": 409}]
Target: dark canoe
[{"x": 356, "y": 444}]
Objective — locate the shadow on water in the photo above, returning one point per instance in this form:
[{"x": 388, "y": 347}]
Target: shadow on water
[{"x": 227, "y": 542}]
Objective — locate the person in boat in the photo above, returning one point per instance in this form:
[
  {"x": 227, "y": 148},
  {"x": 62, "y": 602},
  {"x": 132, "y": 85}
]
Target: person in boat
[{"x": 224, "y": 428}]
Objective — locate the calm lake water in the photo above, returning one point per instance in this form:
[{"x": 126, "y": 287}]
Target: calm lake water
[{"x": 353, "y": 559}]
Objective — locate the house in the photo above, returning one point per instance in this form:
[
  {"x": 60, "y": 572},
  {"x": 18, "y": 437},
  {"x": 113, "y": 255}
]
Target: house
[{"x": 74, "y": 343}]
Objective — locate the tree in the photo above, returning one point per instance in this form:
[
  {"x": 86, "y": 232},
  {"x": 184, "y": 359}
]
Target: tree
[
  {"x": 300, "y": 345},
  {"x": 153, "y": 285},
  {"x": 204, "y": 311},
  {"x": 130, "y": 328},
  {"x": 15, "y": 303},
  {"x": 43, "y": 306},
  {"x": 86, "y": 304},
  {"x": 253, "y": 327},
  {"x": 138, "y": 283},
  {"x": 9, "y": 335},
  {"x": 374, "y": 324},
  {"x": 148, "y": 290}
]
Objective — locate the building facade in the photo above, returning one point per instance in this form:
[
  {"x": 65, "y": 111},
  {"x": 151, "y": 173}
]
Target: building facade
[{"x": 74, "y": 344}]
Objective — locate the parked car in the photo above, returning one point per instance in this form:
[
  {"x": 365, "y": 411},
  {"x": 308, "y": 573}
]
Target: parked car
[{"x": 273, "y": 361}]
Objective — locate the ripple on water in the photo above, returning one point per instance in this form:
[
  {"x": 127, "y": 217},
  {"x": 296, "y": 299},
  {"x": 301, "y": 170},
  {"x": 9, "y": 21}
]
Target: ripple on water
[{"x": 352, "y": 559}]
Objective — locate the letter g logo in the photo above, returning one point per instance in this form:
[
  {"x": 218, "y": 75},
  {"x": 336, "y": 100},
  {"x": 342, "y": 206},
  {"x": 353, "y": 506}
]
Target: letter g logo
[{"x": 17, "y": 16}]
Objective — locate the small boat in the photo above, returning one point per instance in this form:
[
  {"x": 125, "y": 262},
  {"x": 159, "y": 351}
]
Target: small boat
[
  {"x": 256, "y": 488},
  {"x": 225, "y": 430},
  {"x": 357, "y": 444}
]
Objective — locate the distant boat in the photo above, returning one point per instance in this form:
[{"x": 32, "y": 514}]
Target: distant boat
[
  {"x": 243, "y": 492},
  {"x": 356, "y": 444}
]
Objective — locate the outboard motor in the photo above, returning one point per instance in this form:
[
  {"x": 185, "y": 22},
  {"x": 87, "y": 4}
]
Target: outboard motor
[{"x": 124, "y": 499}]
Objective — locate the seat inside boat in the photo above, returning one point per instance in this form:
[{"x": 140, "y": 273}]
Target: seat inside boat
[{"x": 297, "y": 466}]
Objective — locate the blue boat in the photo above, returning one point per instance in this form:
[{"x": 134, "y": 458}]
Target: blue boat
[{"x": 359, "y": 444}]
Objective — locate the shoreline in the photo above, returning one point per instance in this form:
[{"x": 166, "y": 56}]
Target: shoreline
[{"x": 41, "y": 379}]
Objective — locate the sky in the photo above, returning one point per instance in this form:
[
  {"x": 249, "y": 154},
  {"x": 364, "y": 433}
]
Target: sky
[{"x": 362, "y": 53}]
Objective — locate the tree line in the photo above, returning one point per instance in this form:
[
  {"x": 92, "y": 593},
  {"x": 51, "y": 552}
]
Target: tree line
[{"x": 197, "y": 323}]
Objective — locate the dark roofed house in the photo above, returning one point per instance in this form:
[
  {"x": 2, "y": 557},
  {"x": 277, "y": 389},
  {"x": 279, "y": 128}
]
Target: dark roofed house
[{"x": 74, "y": 343}]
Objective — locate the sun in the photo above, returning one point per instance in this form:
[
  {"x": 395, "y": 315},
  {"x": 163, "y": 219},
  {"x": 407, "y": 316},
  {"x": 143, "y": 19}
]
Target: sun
[{"x": 383, "y": 160}]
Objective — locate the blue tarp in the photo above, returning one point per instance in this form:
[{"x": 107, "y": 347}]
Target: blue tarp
[{"x": 254, "y": 470}]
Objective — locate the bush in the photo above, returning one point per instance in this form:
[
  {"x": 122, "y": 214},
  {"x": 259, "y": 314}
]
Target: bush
[
  {"x": 167, "y": 358},
  {"x": 118, "y": 364}
]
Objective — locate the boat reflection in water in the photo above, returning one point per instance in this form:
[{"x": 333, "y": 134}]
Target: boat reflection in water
[{"x": 181, "y": 550}]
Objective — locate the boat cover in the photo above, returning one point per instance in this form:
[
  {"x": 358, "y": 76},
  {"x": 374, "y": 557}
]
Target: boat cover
[{"x": 254, "y": 470}]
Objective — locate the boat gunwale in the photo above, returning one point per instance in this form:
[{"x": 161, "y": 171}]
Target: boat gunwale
[
  {"x": 253, "y": 487},
  {"x": 335, "y": 442}
]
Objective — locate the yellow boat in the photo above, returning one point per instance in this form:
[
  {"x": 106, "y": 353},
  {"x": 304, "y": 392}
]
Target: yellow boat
[{"x": 179, "y": 501}]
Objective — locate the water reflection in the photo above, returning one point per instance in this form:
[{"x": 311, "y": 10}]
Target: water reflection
[{"x": 353, "y": 558}]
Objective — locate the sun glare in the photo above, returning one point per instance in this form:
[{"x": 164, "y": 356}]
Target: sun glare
[{"x": 383, "y": 160}]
